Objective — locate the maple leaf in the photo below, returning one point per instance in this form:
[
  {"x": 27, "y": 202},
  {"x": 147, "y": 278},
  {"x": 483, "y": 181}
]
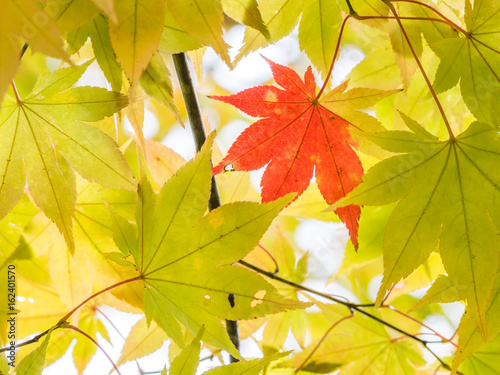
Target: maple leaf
[
  {"x": 18, "y": 23},
  {"x": 136, "y": 35},
  {"x": 184, "y": 258},
  {"x": 447, "y": 191},
  {"x": 472, "y": 59},
  {"x": 42, "y": 137},
  {"x": 301, "y": 132},
  {"x": 33, "y": 363}
]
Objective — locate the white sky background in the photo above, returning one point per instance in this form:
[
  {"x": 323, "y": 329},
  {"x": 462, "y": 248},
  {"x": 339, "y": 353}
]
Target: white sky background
[{"x": 325, "y": 241}]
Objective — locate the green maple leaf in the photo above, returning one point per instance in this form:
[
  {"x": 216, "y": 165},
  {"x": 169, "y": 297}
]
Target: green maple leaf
[
  {"x": 470, "y": 340},
  {"x": 484, "y": 361},
  {"x": 187, "y": 362},
  {"x": 184, "y": 258},
  {"x": 33, "y": 363},
  {"x": 441, "y": 291},
  {"x": 42, "y": 138},
  {"x": 448, "y": 191},
  {"x": 473, "y": 59}
]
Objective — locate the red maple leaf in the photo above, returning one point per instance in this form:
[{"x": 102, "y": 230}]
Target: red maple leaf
[{"x": 296, "y": 134}]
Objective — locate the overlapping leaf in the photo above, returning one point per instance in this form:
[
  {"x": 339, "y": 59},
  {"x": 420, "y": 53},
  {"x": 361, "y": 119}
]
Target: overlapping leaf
[
  {"x": 42, "y": 138},
  {"x": 318, "y": 34},
  {"x": 136, "y": 35},
  {"x": 247, "y": 12},
  {"x": 300, "y": 132},
  {"x": 33, "y": 363},
  {"x": 184, "y": 257},
  {"x": 279, "y": 17},
  {"x": 71, "y": 14},
  {"x": 318, "y": 30},
  {"x": 357, "y": 346},
  {"x": 470, "y": 339},
  {"x": 187, "y": 362},
  {"x": 474, "y": 60},
  {"x": 103, "y": 52},
  {"x": 203, "y": 20},
  {"x": 446, "y": 190},
  {"x": 19, "y": 23}
]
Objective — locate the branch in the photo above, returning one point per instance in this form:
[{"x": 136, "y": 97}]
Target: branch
[
  {"x": 352, "y": 12},
  {"x": 195, "y": 119},
  {"x": 28, "y": 342},
  {"x": 351, "y": 306}
]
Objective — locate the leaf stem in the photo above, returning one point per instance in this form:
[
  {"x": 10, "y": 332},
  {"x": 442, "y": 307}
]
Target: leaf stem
[
  {"x": 276, "y": 265},
  {"x": 67, "y": 316},
  {"x": 16, "y": 93},
  {"x": 351, "y": 306},
  {"x": 424, "y": 74},
  {"x": 335, "y": 55},
  {"x": 196, "y": 122},
  {"x": 69, "y": 326},
  {"x": 321, "y": 341}
]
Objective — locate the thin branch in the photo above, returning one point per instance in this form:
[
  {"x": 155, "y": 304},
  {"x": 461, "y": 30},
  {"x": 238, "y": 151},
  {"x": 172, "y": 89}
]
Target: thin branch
[
  {"x": 23, "y": 50},
  {"x": 66, "y": 317},
  {"x": 351, "y": 306},
  {"x": 28, "y": 342},
  {"x": 424, "y": 74},
  {"x": 196, "y": 122},
  {"x": 352, "y": 12},
  {"x": 69, "y": 326}
]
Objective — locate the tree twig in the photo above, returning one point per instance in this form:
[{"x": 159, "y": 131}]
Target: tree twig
[
  {"x": 28, "y": 342},
  {"x": 351, "y": 306}
]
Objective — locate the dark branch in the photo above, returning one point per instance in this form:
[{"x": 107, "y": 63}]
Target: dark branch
[{"x": 196, "y": 121}]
